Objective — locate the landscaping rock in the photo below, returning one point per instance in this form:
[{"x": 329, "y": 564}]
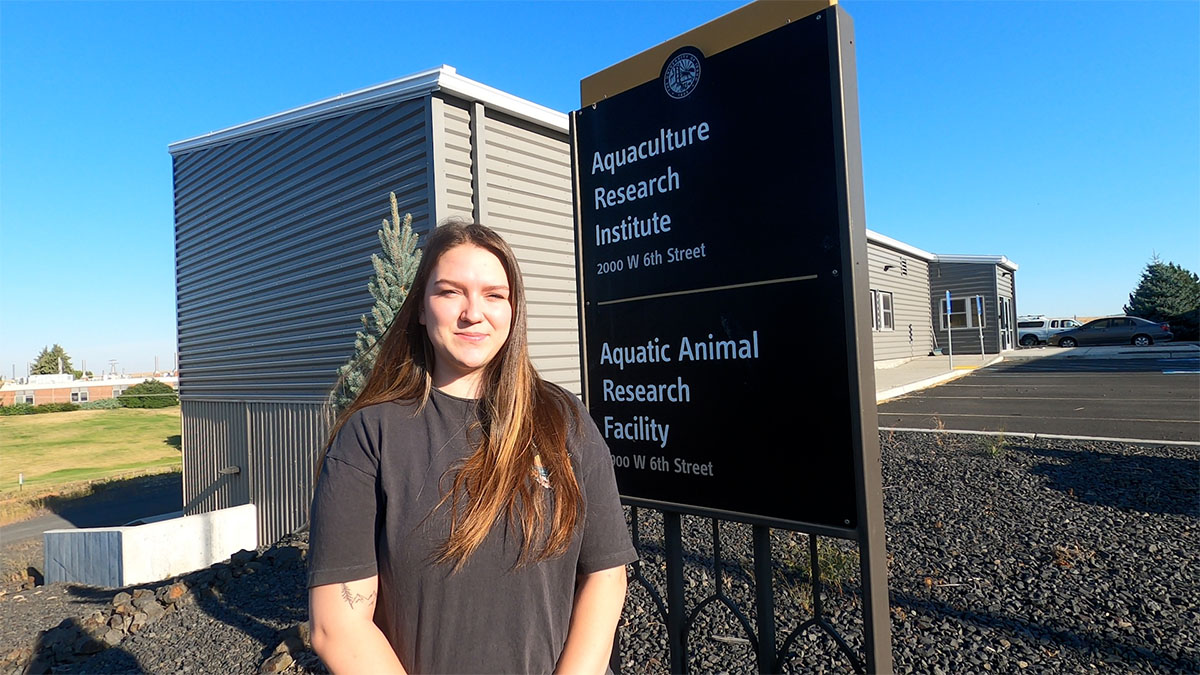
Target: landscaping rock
[
  {"x": 277, "y": 663},
  {"x": 1056, "y": 556},
  {"x": 173, "y": 593}
]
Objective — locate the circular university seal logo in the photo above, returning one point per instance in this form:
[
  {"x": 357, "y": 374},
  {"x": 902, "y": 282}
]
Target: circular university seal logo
[{"x": 681, "y": 74}]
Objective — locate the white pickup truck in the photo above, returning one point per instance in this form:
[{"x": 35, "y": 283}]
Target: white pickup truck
[{"x": 1035, "y": 330}]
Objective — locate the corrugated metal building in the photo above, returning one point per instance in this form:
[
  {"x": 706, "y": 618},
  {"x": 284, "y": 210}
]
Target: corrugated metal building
[
  {"x": 908, "y": 297},
  {"x": 902, "y": 327},
  {"x": 275, "y": 223},
  {"x": 988, "y": 277}
]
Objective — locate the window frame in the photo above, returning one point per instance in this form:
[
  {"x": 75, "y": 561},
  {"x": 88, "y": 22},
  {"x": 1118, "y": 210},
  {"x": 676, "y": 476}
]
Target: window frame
[
  {"x": 972, "y": 318},
  {"x": 879, "y": 314}
]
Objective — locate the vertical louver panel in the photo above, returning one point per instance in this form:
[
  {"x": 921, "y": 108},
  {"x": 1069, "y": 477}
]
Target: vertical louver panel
[
  {"x": 215, "y": 471},
  {"x": 285, "y": 441}
]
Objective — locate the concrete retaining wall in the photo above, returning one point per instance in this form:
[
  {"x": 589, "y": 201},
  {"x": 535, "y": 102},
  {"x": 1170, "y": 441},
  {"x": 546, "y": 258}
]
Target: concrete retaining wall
[{"x": 121, "y": 556}]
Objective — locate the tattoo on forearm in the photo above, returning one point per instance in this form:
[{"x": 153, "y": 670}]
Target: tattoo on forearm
[{"x": 353, "y": 599}]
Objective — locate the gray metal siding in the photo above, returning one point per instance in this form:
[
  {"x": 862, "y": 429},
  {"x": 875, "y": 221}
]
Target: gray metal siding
[
  {"x": 529, "y": 201},
  {"x": 285, "y": 440},
  {"x": 966, "y": 279},
  {"x": 908, "y": 282},
  {"x": 273, "y": 241},
  {"x": 519, "y": 175},
  {"x": 1005, "y": 286},
  {"x": 275, "y": 446},
  {"x": 214, "y": 437},
  {"x": 454, "y": 182},
  {"x": 274, "y": 235}
]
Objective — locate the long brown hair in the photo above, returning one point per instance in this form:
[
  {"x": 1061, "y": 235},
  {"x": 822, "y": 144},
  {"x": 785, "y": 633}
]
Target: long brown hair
[{"x": 521, "y": 417}]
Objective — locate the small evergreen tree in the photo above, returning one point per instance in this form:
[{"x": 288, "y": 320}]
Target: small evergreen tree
[
  {"x": 1168, "y": 293},
  {"x": 149, "y": 394},
  {"x": 47, "y": 362},
  {"x": 394, "y": 274}
]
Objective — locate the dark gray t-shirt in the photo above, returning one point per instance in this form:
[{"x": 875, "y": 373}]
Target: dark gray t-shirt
[{"x": 383, "y": 477}]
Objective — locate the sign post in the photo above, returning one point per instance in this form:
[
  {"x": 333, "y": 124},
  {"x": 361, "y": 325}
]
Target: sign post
[
  {"x": 979, "y": 313},
  {"x": 727, "y": 354},
  {"x": 949, "y": 330}
]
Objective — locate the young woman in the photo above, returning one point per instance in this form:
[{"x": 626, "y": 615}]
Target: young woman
[{"x": 466, "y": 517}]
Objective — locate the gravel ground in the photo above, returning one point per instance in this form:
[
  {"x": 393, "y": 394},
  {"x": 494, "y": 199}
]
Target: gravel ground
[{"x": 1052, "y": 556}]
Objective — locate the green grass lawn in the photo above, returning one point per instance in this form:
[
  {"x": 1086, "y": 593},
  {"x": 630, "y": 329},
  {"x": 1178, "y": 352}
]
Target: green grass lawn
[{"x": 56, "y": 450}]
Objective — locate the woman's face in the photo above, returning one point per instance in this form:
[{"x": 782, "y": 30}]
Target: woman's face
[{"x": 467, "y": 315}]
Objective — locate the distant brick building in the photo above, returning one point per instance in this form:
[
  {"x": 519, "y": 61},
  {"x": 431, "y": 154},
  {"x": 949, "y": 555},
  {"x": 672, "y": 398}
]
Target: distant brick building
[{"x": 39, "y": 389}]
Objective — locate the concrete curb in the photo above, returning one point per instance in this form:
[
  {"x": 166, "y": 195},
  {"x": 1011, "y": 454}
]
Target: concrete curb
[
  {"x": 903, "y": 389},
  {"x": 1034, "y": 437}
]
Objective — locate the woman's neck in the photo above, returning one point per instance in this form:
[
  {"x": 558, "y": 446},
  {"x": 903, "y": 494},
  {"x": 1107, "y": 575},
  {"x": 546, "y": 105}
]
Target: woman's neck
[{"x": 466, "y": 386}]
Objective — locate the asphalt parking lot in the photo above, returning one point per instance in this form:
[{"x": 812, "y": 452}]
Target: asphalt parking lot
[{"x": 1106, "y": 392}]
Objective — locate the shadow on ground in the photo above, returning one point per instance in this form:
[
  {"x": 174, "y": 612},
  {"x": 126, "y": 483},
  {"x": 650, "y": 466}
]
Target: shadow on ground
[
  {"x": 1053, "y": 638},
  {"x": 1163, "y": 485},
  {"x": 113, "y": 503}
]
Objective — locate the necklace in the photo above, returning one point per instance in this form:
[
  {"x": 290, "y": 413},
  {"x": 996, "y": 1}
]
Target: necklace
[{"x": 540, "y": 474}]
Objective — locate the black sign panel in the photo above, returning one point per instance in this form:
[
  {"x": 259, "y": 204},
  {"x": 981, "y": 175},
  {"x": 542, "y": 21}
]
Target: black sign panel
[{"x": 711, "y": 268}]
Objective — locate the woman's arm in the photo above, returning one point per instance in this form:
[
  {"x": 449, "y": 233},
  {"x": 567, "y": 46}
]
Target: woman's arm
[
  {"x": 343, "y": 632},
  {"x": 599, "y": 597}
]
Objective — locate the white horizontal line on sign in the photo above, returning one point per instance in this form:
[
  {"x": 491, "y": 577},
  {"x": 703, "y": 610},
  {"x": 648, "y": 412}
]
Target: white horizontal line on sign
[{"x": 690, "y": 291}]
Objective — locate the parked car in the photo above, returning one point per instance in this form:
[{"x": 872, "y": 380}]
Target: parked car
[
  {"x": 1034, "y": 330},
  {"x": 1115, "y": 330}
]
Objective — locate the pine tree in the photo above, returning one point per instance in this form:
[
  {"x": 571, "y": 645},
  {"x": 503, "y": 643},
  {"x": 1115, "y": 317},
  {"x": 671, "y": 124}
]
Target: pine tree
[
  {"x": 394, "y": 274},
  {"x": 1168, "y": 293},
  {"x": 47, "y": 362}
]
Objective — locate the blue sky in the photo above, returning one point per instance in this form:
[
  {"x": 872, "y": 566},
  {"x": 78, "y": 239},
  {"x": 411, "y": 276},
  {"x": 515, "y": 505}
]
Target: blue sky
[{"x": 1064, "y": 135}]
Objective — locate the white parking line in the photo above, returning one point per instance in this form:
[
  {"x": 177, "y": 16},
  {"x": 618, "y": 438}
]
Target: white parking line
[
  {"x": 1024, "y": 434},
  {"x": 1107, "y": 373},
  {"x": 1033, "y": 417},
  {"x": 1169, "y": 399}
]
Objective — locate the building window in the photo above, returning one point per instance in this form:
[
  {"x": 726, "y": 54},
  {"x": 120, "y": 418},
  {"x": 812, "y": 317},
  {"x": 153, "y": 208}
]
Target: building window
[
  {"x": 881, "y": 311},
  {"x": 117, "y": 391},
  {"x": 24, "y": 397},
  {"x": 964, "y": 313},
  {"x": 79, "y": 396}
]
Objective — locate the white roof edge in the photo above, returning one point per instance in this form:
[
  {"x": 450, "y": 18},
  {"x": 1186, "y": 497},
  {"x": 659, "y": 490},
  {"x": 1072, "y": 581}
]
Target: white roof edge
[
  {"x": 469, "y": 89},
  {"x": 992, "y": 259},
  {"x": 444, "y": 78},
  {"x": 885, "y": 240},
  {"x": 899, "y": 245},
  {"x": 84, "y": 384}
]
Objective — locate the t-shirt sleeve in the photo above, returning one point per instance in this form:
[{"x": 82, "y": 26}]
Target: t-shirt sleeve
[
  {"x": 606, "y": 541},
  {"x": 342, "y": 522}
]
